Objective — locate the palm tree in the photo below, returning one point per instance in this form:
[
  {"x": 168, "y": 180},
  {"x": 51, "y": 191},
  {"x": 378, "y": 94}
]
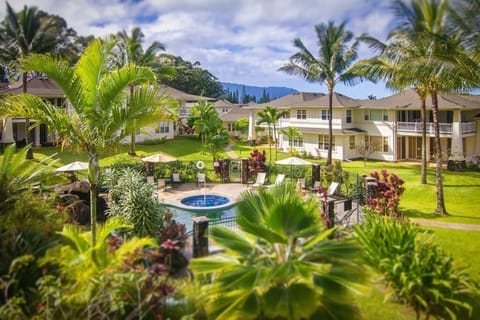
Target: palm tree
[
  {"x": 270, "y": 116},
  {"x": 29, "y": 31},
  {"x": 291, "y": 133},
  {"x": 335, "y": 56},
  {"x": 203, "y": 118},
  {"x": 438, "y": 60},
  {"x": 98, "y": 116},
  {"x": 267, "y": 272},
  {"x": 131, "y": 52}
]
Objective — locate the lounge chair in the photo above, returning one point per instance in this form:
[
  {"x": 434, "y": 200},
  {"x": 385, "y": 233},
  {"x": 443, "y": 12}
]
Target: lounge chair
[
  {"x": 260, "y": 180},
  {"x": 331, "y": 190},
  {"x": 278, "y": 180},
  {"x": 150, "y": 180},
  {"x": 201, "y": 179},
  {"x": 315, "y": 187},
  {"x": 176, "y": 178}
]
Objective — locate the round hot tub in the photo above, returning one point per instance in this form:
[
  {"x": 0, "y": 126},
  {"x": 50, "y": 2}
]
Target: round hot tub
[{"x": 206, "y": 201}]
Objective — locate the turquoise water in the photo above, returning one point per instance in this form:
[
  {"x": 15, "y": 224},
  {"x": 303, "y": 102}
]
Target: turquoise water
[{"x": 185, "y": 216}]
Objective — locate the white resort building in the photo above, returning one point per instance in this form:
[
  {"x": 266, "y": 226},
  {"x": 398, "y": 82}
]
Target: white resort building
[{"x": 392, "y": 124}]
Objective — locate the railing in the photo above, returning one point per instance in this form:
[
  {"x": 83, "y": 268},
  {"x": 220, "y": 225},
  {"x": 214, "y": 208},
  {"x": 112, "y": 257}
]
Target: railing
[
  {"x": 308, "y": 121},
  {"x": 467, "y": 127},
  {"x": 227, "y": 222}
]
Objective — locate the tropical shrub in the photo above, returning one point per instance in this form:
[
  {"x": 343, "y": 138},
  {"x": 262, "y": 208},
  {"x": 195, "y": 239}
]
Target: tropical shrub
[
  {"x": 280, "y": 264},
  {"x": 419, "y": 272},
  {"x": 386, "y": 198},
  {"x": 132, "y": 199}
]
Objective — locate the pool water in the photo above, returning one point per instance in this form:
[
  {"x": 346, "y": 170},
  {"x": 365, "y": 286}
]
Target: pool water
[
  {"x": 185, "y": 216},
  {"x": 205, "y": 201}
]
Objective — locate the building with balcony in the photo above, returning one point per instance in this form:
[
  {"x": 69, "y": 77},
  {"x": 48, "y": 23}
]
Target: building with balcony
[{"x": 391, "y": 124}]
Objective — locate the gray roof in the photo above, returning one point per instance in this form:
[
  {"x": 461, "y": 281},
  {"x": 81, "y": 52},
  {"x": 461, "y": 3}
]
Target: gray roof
[
  {"x": 236, "y": 112},
  {"x": 409, "y": 99},
  {"x": 180, "y": 95},
  {"x": 288, "y": 101},
  {"x": 38, "y": 86}
]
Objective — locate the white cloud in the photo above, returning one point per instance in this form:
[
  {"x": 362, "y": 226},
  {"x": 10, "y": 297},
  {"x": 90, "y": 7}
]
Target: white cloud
[{"x": 238, "y": 41}]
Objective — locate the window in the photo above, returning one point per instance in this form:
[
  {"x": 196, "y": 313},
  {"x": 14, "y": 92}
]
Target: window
[
  {"x": 298, "y": 142},
  {"x": 348, "y": 116},
  {"x": 163, "y": 127},
  {"x": 325, "y": 115},
  {"x": 385, "y": 144},
  {"x": 302, "y": 114},
  {"x": 375, "y": 115},
  {"x": 323, "y": 142},
  {"x": 230, "y": 126},
  {"x": 225, "y": 109},
  {"x": 351, "y": 142}
]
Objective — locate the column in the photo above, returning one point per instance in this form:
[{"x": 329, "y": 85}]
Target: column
[
  {"x": 36, "y": 136},
  {"x": 200, "y": 239},
  {"x": 457, "y": 137},
  {"x": 7, "y": 131},
  {"x": 251, "y": 127}
]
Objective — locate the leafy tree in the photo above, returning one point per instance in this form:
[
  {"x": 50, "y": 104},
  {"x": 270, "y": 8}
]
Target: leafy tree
[
  {"x": 130, "y": 51},
  {"x": 31, "y": 31},
  {"x": 291, "y": 133},
  {"x": 267, "y": 272},
  {"x": 98, "y": 117},
  {"x": 191, "y": 78},
  {"x": 368, "y": 148},
  {"x": 331, "y": 66},
  {"x": 241, "y": 125},
  {"x": 270, "y": 116}
]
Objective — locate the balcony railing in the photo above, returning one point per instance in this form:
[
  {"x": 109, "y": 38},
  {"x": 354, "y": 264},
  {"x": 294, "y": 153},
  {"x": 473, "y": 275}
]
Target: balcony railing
[{"x": 445, "y": 128}]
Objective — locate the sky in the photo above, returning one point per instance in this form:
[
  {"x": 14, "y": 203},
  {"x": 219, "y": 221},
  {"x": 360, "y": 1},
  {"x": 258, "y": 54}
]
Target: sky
[{"x": 240, "y": 41}]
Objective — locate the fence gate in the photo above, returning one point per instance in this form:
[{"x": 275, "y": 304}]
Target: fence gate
[{"x": 235, "y": 171}]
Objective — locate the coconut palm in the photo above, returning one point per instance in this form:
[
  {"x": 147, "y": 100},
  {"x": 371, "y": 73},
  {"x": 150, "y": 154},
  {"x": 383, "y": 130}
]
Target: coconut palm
[
  {"x": 97, "y": 116},
  {"x": 281, "y": 265},
  {"x": 330, "y": 67},
  {"x": 203, "y": 118},
  {"x": 291, "y": 133},
  {"x": 270, "y": 116},
  {"x": 131, "y": 52},
  {"x": 29, "y": 31}
]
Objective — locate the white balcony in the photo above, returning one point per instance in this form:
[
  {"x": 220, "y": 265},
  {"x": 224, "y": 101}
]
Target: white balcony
[{"x": 445, "y": 128}]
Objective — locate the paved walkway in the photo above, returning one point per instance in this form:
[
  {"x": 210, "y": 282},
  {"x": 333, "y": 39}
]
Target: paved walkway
[
  {"x": 447, "y": 225},
  {"x": 230, "y": 153}
]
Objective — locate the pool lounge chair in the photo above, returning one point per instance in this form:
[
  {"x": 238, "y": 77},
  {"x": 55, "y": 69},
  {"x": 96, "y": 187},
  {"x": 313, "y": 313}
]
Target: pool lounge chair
[
  {"x": 260, "y": 180},
  {"x": 278, "y": 180},
  {"x": 176, "y": 178},
  {"x": 331, "y": 190},
  {"x": 201, "y": 179}
]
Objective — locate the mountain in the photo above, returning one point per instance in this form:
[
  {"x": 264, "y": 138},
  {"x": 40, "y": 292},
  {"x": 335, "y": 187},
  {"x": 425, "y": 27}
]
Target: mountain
[{"x": 273, "y": 92}]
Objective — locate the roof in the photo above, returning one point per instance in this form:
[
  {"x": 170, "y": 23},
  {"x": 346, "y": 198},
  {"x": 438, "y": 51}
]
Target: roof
[
  {"x": 236, "y": 112},
  {"x": 338, "y": 100},
  {"x": 39, "y": 86},
  {"x": 336, "y": 132},
  {"x": 288, "y": 101},
  {"x": 180, "y": 95},
  {"x": 408, "y": 99}
]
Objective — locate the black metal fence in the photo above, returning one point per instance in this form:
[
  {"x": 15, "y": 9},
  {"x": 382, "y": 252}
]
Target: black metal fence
[{"x": 228, "y": 222}]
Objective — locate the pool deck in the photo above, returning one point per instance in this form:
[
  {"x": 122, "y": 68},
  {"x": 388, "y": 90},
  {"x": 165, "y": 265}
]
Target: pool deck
[{"x": 174, "y": 194}]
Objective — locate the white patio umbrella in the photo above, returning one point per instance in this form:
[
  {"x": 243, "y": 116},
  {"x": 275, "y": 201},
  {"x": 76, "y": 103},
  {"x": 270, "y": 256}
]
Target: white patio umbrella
[
  {"x": 293, "y": 161},
  {"x": 158, "y": 158},
  {"x": 73, "y": 166}
]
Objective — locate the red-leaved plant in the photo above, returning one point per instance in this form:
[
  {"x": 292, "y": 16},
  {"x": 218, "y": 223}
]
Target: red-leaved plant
[{"x": 386, "y": 199}]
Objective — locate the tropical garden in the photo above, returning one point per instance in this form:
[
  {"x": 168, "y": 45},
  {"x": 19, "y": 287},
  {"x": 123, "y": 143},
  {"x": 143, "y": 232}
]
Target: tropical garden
[{"x": 283, "y": 262}]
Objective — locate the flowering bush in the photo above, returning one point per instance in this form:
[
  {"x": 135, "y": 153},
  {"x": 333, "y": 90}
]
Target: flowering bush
[{"x": 386, "y": 199}]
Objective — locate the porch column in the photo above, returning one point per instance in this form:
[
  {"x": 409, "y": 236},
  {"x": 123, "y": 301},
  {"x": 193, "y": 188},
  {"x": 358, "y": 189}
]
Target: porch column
[
  {"x": 7, "y": 131},
  {"x": 251, "y": 127},
  {"x": 457, "y": 138},
  {"x": 36, "y": 137}
]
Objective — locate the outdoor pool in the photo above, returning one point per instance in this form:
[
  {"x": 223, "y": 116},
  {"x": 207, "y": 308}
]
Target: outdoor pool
[{"x": 185, "y": 216}]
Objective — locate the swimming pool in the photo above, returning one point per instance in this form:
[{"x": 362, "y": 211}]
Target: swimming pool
[{"x": 185, "y": 216}]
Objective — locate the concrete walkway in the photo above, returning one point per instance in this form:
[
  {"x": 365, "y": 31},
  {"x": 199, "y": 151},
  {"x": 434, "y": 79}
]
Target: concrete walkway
[
  {"x": 447, "y": 225},
  {"x": 230, "y": 153}
]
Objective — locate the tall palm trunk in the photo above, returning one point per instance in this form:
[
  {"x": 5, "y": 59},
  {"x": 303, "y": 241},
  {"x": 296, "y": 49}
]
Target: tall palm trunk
[
  {"x": 441, "y": 210},
  {"x": 330, "y": 130},
  {"x": 93, "y": 177},
  {"x": 275, "y": 139},
  {"x": 133, "y": 133},
  {"x": 27, "y": 120},
  {"x": 423, "y": 115},
  {"x": 270, "y": 142}
]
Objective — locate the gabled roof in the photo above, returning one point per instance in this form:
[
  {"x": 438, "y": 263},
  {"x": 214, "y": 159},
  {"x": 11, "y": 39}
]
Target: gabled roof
[
  {"x": 409, "y": 99},
  {"x": 236, "y": 112},
  {"x": 222, "y": 103},
  {"x": 288, "y": 101},
  {"x": 39, "y": 86},
  {"x": 180, "y": 95},
  {"x": 338, "y": 100}
]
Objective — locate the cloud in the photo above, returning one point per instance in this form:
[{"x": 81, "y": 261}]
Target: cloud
[{"x": 237, "y": 41}]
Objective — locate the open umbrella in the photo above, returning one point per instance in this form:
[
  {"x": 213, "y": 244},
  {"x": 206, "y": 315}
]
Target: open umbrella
[
  {"x": 293, "y": 161},
  {"x": 73, "y": 166},
  {"x": 158, "y": 158}
]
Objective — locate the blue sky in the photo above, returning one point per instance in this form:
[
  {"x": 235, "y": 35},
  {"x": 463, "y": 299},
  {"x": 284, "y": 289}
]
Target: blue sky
[{"x": 242, "y": 41}]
